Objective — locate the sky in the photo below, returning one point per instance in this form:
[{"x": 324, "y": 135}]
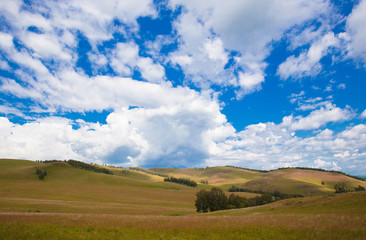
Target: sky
[{"x": 256, "y": 84}]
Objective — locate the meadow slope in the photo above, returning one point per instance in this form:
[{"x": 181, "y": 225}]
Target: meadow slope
[
  {"x": 73, "y": 203},
  {"x": 292, "y": 180}
]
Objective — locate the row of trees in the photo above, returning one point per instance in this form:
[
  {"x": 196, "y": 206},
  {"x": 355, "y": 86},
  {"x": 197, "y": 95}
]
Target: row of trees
[
  {"x": 41, "y": 173},
  {"x": 216, "y": 199},
  {"x": 89, "y": 167},
  {"x": 342, "y": 188},
  {"x": 276, "y": 194},
  {"x": 183, "y": 181}
]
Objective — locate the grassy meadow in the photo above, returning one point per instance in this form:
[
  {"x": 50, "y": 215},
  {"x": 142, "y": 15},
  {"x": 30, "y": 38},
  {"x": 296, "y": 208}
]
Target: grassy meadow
[{"x": 72, "y": 203}]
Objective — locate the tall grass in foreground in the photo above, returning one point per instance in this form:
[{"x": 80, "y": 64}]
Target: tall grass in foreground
[{"x": 12, "y": 231}]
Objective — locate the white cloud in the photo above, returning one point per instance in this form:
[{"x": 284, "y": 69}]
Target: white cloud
[
  {"x": 308, "y": 62},
  {"x": 251, "y": 81},
  {"x": 153, "y": 72},
  {"x": 326, "y": 165},
  {"x": 4, "y": 65},
  {"x": 215, "y": 50},
  {"x": 11, "y": 110},
  {"x": 363, "y": 114},
  {"x": 248, "y": 28},
  {"x": 171, "y": 127},
  {"x": 341, "y": 86},
  {"x": 125, "y": 58},
  {"x": 320, "y": 117},
  {"x": 355, "y": 27},
  {"x": 46, "y": 46},
  {"x": 268, "y": 146}
]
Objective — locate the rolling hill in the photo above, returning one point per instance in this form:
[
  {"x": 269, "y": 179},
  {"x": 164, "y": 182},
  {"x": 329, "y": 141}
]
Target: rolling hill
[
  {"x": 137, "y": 204},
  {"x": 307, "y": 182}
]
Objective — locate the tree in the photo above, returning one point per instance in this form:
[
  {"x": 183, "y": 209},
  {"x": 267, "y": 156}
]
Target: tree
[
  {"x": 236, "y": 201},
  {"x": 359, "y": 188},
  {"x": 341, "y": 188},
  {"x": 217, "y": 199},
  {"x": 202, "y": 202},
  {"x": 41, "y": 173}
]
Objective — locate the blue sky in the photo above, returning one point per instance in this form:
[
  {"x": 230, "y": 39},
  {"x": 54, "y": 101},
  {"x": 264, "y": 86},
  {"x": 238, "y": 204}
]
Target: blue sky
[{"x": 257, "y": 84}]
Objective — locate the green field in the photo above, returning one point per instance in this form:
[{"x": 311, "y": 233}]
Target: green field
[{"x": 72, "y": 203}]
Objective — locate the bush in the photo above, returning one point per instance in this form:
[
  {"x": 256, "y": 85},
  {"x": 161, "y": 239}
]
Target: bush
[
  {"x": 359, "y": 188},
  {"x": 341, "y": 188},
  {"x": 41, "y": 173},
  {"x": 204, "y": 182}
]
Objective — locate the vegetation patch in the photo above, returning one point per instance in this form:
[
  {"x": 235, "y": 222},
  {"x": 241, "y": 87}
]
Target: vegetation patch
[
  {"x": 89, "y": 167},
  {"x": 342, "y": 188},
  {"x": 215, "y": 200},
  {"x": 41, "y": 173},
  {"x": 275, "y": 194},
  {"x": 183, "y": 181}
]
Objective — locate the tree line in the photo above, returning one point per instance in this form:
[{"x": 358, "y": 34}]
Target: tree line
[
  {"x": 276, "y": 194},
  {"x": 183, "y": 181},
  {"x": 216, "y": 199},
  {"x": 89, "y": 167}
]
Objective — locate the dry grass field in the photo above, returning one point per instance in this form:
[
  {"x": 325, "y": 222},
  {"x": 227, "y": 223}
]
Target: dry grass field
[
  {"x": 73, "y": 203},
  {"x": 292, "y": 181}
]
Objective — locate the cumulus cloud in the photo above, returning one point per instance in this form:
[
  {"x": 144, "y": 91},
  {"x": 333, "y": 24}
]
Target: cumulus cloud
[
  {"x": 308, "y": 62},
  {"x": 177, "y": 131},
  {"x": 318, "y": 118},
  {"x": 356, "y": 31},
  {"x": 248, "y": 28},
  {"x": 269, "y": 145}
]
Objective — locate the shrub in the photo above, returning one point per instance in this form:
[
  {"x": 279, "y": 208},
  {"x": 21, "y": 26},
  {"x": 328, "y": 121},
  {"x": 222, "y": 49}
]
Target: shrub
[
  {"x": 359, "y": 188},
  {"x": 41, "y": 173},
  {"x": 341, "y": 188},
  {"x": 204, "y": 182}
]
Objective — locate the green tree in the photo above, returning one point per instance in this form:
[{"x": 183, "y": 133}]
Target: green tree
[
  {"x": 359, "y": 188},
  {"x": 236, "y": 201},
  {"x": 341, "y": 188},
  {"x": 202, "y": 202},
  {"x": 217, "y": 199}
]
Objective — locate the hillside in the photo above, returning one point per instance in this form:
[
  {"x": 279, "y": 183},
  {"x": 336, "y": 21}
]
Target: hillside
[
  {"x": 66, "y": 187},
  {"x": 292, "y": 180},
  {"x": 74, "y": 203}
]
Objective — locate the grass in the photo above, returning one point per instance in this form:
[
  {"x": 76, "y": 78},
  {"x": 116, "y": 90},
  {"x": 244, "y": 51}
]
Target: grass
[
  {"x": 292, "y": 181},
  {"x": 73, "y": 203},
  {"x": 190, "y": 227}
]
